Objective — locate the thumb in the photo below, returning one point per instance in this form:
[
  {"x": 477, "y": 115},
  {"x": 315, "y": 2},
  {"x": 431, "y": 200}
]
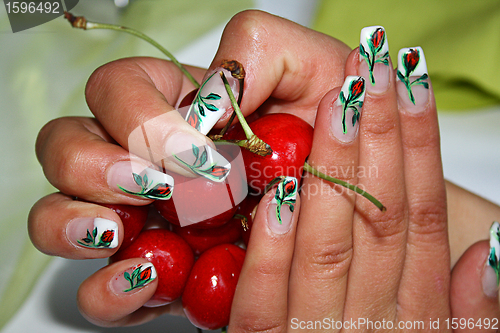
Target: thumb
[{"x": 474, "y": 291}]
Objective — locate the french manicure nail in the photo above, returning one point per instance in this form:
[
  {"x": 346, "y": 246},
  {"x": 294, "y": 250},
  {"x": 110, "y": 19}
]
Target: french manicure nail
[
  {"x": 198, "y": 157},
  {"x": 413, "y": 85},
  {"x": 374, "y": 58},
  {"x": 96, "y": 233},
  {"x": 136, "y": 179},
  {"x": 282, "y": 205},
  {"x": 491, "y": 273},
  {"x": 346, "y": 111},
  {"x": 212, "y": 101},
  {"x": 133, "y": 278}
]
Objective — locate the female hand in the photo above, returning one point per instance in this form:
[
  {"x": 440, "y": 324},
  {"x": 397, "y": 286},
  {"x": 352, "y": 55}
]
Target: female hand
[
  {"x": 88, "y": 158},
  {"x": 284, "y": 75}
]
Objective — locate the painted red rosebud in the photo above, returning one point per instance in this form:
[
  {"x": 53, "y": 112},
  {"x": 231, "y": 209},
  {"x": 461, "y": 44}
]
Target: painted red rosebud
[
  {"x": 161, "y": 189},
  {"x": 357, "y": 88},
  {"x": 107, "y": 236},
  {"x": 289, "y": 187},
  {"x": 219, "y": 171},
  {"x": 378, "y": 37},
  {"x": 193, "y": 120},
  {"x": 411, "y": 60},
  {"x": 145, "y": 274}
]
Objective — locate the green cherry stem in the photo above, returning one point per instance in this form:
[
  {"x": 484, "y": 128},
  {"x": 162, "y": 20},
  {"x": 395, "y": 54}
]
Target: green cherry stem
[
  {"x": 82, "y": 23},
  {"x": 252, "y": 143},
  {"x": 313, "y": 171}
]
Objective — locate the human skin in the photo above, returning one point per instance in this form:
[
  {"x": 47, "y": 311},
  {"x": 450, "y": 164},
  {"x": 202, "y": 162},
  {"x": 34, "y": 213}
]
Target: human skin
[{"x": 287, "y": 75}]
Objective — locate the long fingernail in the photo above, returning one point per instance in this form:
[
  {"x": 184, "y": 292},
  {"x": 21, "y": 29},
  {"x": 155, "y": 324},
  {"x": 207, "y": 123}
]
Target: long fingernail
[
  {"x": 212, "y": 101},
  {"x": 413, "y": 85},
  {"x": 133, "y": 278},
  {"x": 282, "y": 206},
  {"x": 491, "y": 273},
  {"x": 346, "y": 111},
  {"x": 374, "y": 58},
  {"x": 136, "y": 179},
  {"x": 198, "y": 157},
  {"x": 96, "y": 233}
]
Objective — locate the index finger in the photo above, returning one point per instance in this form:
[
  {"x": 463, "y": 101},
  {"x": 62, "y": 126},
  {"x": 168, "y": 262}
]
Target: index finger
[{"x": 289, "y": 74}]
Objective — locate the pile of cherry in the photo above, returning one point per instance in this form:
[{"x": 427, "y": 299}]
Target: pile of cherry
[{"x": 200, "y": 262}]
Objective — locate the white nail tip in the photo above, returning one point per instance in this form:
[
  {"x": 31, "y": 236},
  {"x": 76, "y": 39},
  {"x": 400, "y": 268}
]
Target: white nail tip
[
  {"x": 412, "y": 60},
  {"x": 369, "y": 40},
  {"x": 211, "y": 101},
  {"x": 103, "y": 235}
]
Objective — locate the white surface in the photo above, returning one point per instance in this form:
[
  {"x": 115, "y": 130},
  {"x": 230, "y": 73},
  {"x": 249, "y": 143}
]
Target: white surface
[{"x": 470, "y": 151}]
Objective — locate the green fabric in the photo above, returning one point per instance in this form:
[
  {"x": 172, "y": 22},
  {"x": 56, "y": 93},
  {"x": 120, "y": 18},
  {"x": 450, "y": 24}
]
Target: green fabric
[
  {"x": 43, "y": 72},
  {"x": 460, "y": 39}
]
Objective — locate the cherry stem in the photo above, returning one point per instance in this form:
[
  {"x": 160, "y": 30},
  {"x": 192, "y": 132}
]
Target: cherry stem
[
  {"x": 238, "y": 72},
  {"x": 82, "y": 23},
  {"x": 243, "y": 219},
  {"x": 313, "y": 171},
  {"x": 252, "y": 143}
]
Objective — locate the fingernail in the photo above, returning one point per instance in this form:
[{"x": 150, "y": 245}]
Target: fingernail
[
  {"x": 374, "y": 58},
  {"x": 198, "y": 157},
  {"x": 491, "y": 277},
  {"x": 212, "y": 101},
  {"x": 346, "y": 111},
  {"x": 413, "y": 80},
  {"x": 282, "y": 205},
  {"x": 136, "y": 179},
  {"x": 133, "y": 278},
  {"x": 96, "y": 233}
]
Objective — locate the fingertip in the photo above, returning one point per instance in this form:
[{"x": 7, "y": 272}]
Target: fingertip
[
  {"x": 72, "y": 229},
  {"x": 110, "y": 296},
  {"x": 474, "y": 291}
]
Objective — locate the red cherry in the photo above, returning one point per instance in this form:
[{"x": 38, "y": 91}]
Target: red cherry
[
  {"x": 203, "y": 202},
  {"x": 201, "y": 240},
  {"x": 290, "y": 138},
  {"x": 133, "y": 218},
  {"x": 188, "y": 99},
  {"x": 171, "y": 256},
  {"x": 211, "y": 285}
]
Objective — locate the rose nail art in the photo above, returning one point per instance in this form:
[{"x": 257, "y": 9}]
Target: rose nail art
[
  {"x": 412, "y": 69},
  {"x": 206, "y": 162},
  {"x": 211, "y": 101},
  {"x": 197, "y": 156},
  {"x": 152, "y": 184},
  {"x": 140, "y": 276},
  {"x": 286, "y": 194},
  {"x": 373, "y": 48},
  {"x": 347, "y": 109},
  {"x": 103, "y": 235},
  {"x": 494, "y": 256}
]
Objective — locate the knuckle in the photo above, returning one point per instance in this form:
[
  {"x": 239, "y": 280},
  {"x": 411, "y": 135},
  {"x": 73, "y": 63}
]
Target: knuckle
[
  {"x": 428, "y": 217},
  {"x": 329, "y": 261},
  {"x": 249, "y": 22},
  {"x": 45, "y": 135},
  {"x": 390, "y": 225},
  {"x": 101, "y": 81}
]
